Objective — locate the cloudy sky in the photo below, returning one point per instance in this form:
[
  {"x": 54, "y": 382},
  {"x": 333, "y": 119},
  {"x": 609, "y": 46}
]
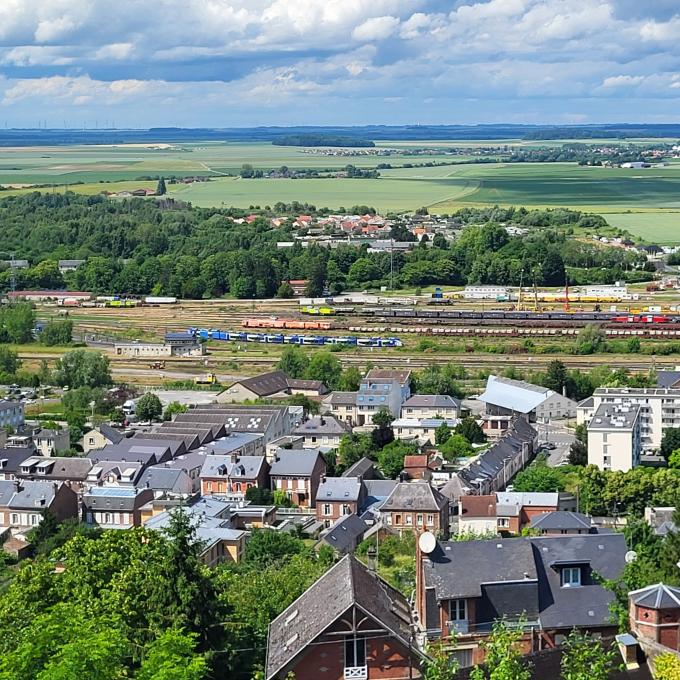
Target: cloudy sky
[{"x": 280, "y": 62}]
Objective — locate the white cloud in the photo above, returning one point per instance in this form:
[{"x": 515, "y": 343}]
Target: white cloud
[
  {"x": 622, "y": 81},
  {"x": 377, "y": 28},
  {"x": 115, "y": 51}
]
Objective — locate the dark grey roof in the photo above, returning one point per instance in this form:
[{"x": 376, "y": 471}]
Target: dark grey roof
[
  {"x": 346, "y": 584},
  {"x": 235, "y": 418},
  {"x": 113, "y": 435},
  {"x": 459, "y": 569},
  {"x": 29, "y": 494},
  {"x": 431, "y": 401},
  {"x": 561, "y": 520},
  {"x": 588, "y": 402},
  {"x": 659, "y": 596},
  {"x": 323, "y": 425},
  {"x": 341, "y": 398},
  {"x": 173, "y": 446},
  {"x": 455, "y": 488},
  {"x": 145, "y": 455},
  {"x": 103, "y": 468},
  {"x": 12, "y": 457},
  {"x": 377, "y": 490},
  {"x": 667, "y": 378},
  {"x": 346, "y": 533},
  {"x": 115, "y": 499},
  {"x": 364, "y": 466},
  {"x": 291, "y": 462},
  {"x": 587, "y": 605},
  {"x": 415, "y": 496},
  {"x": 266, "y": 384},
  {"x": 160, "y": 478},
  {"x": 341, "y": 489},
  {"x": 376, "y": 374},
  {"x": 316, "y": 385},
  {"x": 57, "y": 467}
]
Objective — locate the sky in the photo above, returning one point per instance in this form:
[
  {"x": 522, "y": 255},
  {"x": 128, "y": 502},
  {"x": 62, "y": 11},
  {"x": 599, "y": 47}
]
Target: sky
[{"x": 228, "y": 63}]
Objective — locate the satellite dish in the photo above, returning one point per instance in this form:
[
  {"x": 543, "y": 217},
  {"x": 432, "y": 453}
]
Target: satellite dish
[
  {"x": 630, "y": 556},
  {"x": 427, "y": 542}
]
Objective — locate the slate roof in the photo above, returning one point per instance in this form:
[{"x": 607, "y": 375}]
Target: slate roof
[
  {"x": 31, "y": 494},
  {"x": 323, "y": 425},
  {"x": 431, "y": 401},
  {"x": 290, "y": 462},
  {"x": 115, "y": 499},
  {"x": 388, "y": 374},
  {"x": 235, "y": 418},
  {"x": 113, "y": 435},
  {"x": 266, "y": 384},
  {"x": 561, "y": 520},
  {"x": 360, "y": 468},
  {"x": 415, "y": 496},
  {"x": 347, "y": 583},
  {"x": 455, "y": 488},
  {"x": 340, "y": 489},
  {"x": 243, "y": 467},
  {"x": 667, "y": 379},
  {"x": 345, "y": 533},
  {"x": 103, "y": 468},
  {"x": 588, "y": 402},
  {"x": 316, "y": 385},
  {"x": 12, "y": 457},
  {"x": 144, "y": 455},
  {"x": 58, "y": 467},
  {"x": 515, "y": 395},
  {"x": 170, "y": 480},
  {"x": 341, "y": 398},
  {"x": 659, "y": 596}
]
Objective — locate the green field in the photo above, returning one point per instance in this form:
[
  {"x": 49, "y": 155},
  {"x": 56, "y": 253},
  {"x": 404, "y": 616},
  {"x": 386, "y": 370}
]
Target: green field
[{"x": 645, "y": 202}]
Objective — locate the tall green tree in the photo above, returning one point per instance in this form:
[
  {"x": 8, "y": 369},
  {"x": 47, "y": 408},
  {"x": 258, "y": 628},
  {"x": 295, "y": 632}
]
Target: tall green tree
[
  {"x": 585, "y": 658},
  {"x": 471, "y": 430},
  {"x": 83, "y": 368},
  {"x": 149, "y": 407},
  {"x": 294, "y": 362},
  {"x": 173, "y": 656},
  {"x": 504, "y": 658}
]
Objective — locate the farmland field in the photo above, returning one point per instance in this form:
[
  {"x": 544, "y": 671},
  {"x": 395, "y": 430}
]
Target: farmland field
[{"x": 645, "y": 202}]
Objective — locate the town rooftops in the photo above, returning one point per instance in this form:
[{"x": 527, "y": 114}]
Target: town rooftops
[
  {"x": 382, "y": 374},
  {"x": 341, "y": 398},
  {"x": 29, "y": 495},
  {"x": 431, "y": 401},
  {"x": 339, "y": 489},
  {"x": 170, "y": 480},
  {"x": 542, "y": 499},
  {"x": 364, "y": 467},
  {"x": 614, "y": 417},
  {"x": 113, "y": 435},
  {"x": 323, "y": 425},
  {"x": 290, "y": 462},
  {"x": 659, "y": 596},
  {"x": 668, "y": 379},
  {"x": 478, "y": 506},
  {"x": 244, "y": 467},
  {"x": 115, "y": 499},
  {"x": 345, "y": 533},
  {"x": 515, "y": 395},
  {"x": 348, "y": 583},
  {"x": 266, "y": 384},
  {"x": 562, "y": 520},
  {"x": 57, "y": 467},
  {"x": 12, "y": 457},
  {"x": 414, "y": 496}
]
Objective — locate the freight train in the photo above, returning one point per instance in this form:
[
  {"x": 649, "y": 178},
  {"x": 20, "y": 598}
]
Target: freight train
[
  {"x": 280, "y": 339},
  {"x": 287, "y": 323}
]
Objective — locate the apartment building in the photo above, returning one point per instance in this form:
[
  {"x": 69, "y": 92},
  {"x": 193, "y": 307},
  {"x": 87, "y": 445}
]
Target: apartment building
[{"x": 614, "y": 437}]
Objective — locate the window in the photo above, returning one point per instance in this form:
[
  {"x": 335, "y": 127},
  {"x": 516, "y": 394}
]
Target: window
[
  {"x": 15, "y": 519},
  {"x": 107, "y": 518},
  {"x": 397, "y": 519},
  {"x": 504, "y": 522},
  {"x": 430, "y": 520},
  {"x": 419, "y": 520},
  {"x": 462, "y": 656},
  {"x": 346, "y": 510},
  {"x": 91, "y": 440},
  {"x": 327, "y": 509},
  {"x": 409, "y": 520},
  {"x": 571, "y": 577},
  {"x": 457, "y": 610},
  {"x": 355, "y": 652}
]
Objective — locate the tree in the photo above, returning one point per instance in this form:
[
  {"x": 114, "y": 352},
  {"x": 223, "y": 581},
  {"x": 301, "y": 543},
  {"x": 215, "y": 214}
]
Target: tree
[
  {"x": 456, "y": 446},
  {"x": 578, "y": 452},
  {"x": 285, "y": 291},
  {"x": 172, "y": 656},
  {"x": 590, "y": 340},
  {"x": 391, "y": 458},
  {"x": 442, "y": 434},
  {"x": 48, "y": 527},
  {"x": 58, "y": 332},
  {"x": 148, "y": 407},
  {"x": 325, "y": 367},
  {"x": 470, "y": 429},
  {"x": 266, "y": 546},
  {"x": 174, "y": 408},
  {"x": 440, "y": 665},
  {"x": 585, "y": 658},
  {"x": 293, "y": 362},
  {"x": 539, "y": 477},
  {"x": 17, "y": 321},
  {"x": 352, "y": 448},
  {"x": 504, "y": 659},
  {"x": 350, "y": 380},
  {"x": 670, "y": 441},
  {"x": 9, "y": 361},
  {"x": 674, "y": 460},
  {"x": 556, "y": 376},
  {"x": 161, "y": 189},
  {"x": 83, "y": 368},
  {"x": 383, "y": 433}
]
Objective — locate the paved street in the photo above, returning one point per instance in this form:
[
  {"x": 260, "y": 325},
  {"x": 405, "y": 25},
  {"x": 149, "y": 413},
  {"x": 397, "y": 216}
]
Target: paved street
[{"x": 556, "y": 433}]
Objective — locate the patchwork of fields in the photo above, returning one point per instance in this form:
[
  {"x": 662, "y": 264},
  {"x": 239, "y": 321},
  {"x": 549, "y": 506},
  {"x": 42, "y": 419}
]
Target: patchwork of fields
[{"x": 646, "y": 202}]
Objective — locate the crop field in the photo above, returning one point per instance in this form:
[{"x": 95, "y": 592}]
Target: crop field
[{"x": 645, "y": 202}]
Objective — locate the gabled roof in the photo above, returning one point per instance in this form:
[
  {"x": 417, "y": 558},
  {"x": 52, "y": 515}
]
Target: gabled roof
[
  {"x": 561, "y": 520},
  {"x": 388, "y": 374},
  {"x": 415, "y": 496},
  {"x": 345, "y": 533},
  {"x": 290, "y": 462},
  {"x": 431, "y": 401},
  {"x": 478, "y": 506},
  {"x": 667, "y": 378},
  {"x": 348, "y": 583},
  {"x": 171, "y": 480},
  {"x": 266, "y": 384},
  {"x": 323, "y": 425},
  {"x": 243, "y": 467},
  {"x": 361, "y": 467},
  {"x": 659, "y": 596},
  {"x": 341, "y": 398},
  {"x": 113, "y": 435},
  {"x": 28, "y": 495},
  {"x": 515, "y": 395},
  {"x": 339, "y": 489}
]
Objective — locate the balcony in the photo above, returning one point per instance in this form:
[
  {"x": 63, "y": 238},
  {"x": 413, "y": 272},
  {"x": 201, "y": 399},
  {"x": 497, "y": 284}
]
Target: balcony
[
  {"x": 356, "y": 673},
  {"x": 458, "y": 627}
]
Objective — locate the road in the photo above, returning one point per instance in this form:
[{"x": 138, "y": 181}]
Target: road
[{"x": 556, "y": 433}]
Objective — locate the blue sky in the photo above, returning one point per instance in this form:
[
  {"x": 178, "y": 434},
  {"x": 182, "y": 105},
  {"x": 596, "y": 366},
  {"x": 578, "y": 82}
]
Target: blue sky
[{"x": 281, "y": 62}]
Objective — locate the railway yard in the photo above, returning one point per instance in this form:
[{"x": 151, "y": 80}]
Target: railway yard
[{"x": 247, "y": 337}]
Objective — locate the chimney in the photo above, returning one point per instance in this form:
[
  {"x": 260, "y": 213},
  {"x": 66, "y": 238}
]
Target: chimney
[
  {"x": 234, "y": 457},
  {"x": 371, "y": 555},
  {"x": 17, "y": 486},
  {"x": 323, "y": 479}
]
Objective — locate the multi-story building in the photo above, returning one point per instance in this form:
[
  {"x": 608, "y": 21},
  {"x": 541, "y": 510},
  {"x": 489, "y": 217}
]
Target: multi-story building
[
  {"x": 23, "y": 502},
  {"x": 325, "y": 431},
  {"x": 382, "y": 389},
  {"x": 111, "y": 507},
  {"x": 11, "y": 414},
  {"x": 423, "y": 406},
  {"x": 614, "y": 437},
  {"x": 659, "y": 409},
  {"x": 422, "y": 431},
  {"x": 338, "y": 497},
  {"x": 233, "y": 474},
  {"x": 298, "y": 474},
  {"x": 50, "y": 442},
  {"x": 416, "y": 506}
]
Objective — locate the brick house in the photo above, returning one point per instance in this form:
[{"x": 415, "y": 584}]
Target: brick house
[
  {"x": 23, "y": 502},
  {"x": 233, "y": 474},
  {"x": 350, "y": 624},
  {"x": 338, "y": 497},
  {"x": 111, "y": 507},
  {"x": 298, "y": 474},
  {"x": 416, "y": 506},
  {"x": 654, "y": 614}
]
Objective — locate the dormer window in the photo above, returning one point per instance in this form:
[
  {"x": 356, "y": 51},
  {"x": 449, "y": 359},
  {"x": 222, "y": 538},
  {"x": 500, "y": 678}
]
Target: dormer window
[{"x": 571, "y": 577}]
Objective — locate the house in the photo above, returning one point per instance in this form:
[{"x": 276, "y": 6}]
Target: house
[
  {"x": 615, "y": 437},
  {"x": 654, "y": 615},
  {"x": 561, "y": 522},
  {"x": 233, "y": 474},
  {"x": 344, "y": 535},
  {"x": 422, "y": 406},
  {"x": 115, "y": 474},
  {"x": 382, "y": 388},
  {"x": 323, "y": 431},
  {"x": 270, "y": 385},
  {"x": 11, "y": 459},
  {"x": 342, "y": 405},
  {"x": 349, "y": 624},
  {"x": 11, "y": 414},
  {"x": 660, "y": 519},
  {"x": 421, "y": 431},
  {"x": 168, "y": 483},
  {"x": 416, "y": 506},
  {"x": 144, "y": 452},
  {"x": 551, "y": 584},
  {"x": 74, "y": 470},
  {"x": 66, "y": 266},
  {"x": 23, "y": 502},
  {"x": 99, "y": 437},
  {"x": 298, "y": 474},
  {"x": 477, "y": 515},
  {"x": 190, "y": 463},
  {"x": 364, "y": 468},
  {"x": 184, "y": 345},
  {"x": 419, "y": 466},
  {"x": 49, "y": 442},
  {"x": 338, "y": 497},
  {"x": 493, "y": 469},
  {"x": 115, "y": 507},
  {"x": 505, "y": 399},
  {"x": 211, "y": 519}
]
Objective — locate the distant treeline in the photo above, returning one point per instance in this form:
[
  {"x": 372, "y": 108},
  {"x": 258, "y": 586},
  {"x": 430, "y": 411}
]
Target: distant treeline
[
  {"x": 322, "y": 140},
  {"x": 605, "y": 131}
]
